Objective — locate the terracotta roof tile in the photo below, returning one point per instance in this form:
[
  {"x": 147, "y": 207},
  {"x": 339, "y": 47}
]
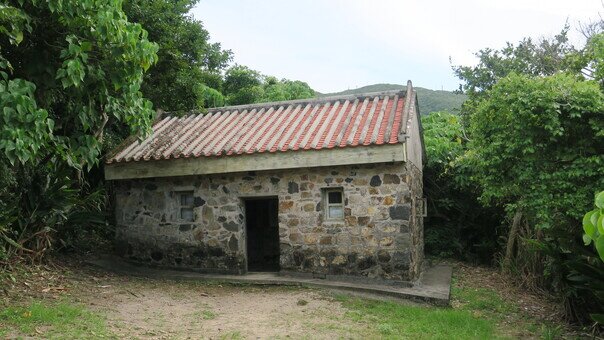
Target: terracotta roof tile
[{"x": 350, "y": 121}]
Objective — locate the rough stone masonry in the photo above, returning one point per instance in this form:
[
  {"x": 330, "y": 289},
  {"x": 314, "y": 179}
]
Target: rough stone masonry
[{"x": 380, "y": 236}]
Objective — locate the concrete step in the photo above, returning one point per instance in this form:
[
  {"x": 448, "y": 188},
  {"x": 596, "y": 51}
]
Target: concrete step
[{"x": 434, "y": 287}]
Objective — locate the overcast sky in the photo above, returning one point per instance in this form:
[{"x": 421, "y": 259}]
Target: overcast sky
[{"x": 336, "y": 45}]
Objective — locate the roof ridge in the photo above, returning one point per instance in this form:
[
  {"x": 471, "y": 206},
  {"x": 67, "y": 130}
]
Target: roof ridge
[{"x": 309, "y": 100}]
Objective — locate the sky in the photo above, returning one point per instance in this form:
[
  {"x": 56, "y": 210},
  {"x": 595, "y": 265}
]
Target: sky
[{"x": 335, "y": 45}]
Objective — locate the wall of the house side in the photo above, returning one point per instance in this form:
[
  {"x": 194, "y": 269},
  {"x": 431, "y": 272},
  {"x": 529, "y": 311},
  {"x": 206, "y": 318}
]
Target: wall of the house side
[
  {"x": 380, "y": 237},
  {"x": 414, "y": 139},
  {"x": 416, "y": 220},
  {"x": 415, "y": 155}
]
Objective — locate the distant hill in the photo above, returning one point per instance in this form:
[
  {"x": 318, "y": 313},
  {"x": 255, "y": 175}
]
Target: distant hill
[{"x": 429, "y": 100}]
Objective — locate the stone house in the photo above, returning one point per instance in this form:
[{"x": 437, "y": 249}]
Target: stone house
[{"x": 328, "y": 187}]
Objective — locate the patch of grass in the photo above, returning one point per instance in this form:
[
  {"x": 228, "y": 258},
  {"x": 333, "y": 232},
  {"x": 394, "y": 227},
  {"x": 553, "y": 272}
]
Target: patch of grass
[
  {"x": 235, "y": 335},
  {"x": 483, "y": 300},
  {"x": 393, "y": 320},
  {"x": 64, "y": 320},
  {"x": 205, "y": 314},
  {"x": 478, "y": 312},
  {"x": 208, "y": 315},
  {"x": 550, "y": 332}
]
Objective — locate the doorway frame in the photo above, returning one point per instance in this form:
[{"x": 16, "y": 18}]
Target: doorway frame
[{"x": 244, "y": 200}]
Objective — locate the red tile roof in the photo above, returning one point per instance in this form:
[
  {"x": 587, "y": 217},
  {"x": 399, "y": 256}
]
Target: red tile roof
[{"x": 325, "y": 123}]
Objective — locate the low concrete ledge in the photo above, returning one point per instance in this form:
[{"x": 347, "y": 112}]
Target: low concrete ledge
[{"x": 434, "y": 287}]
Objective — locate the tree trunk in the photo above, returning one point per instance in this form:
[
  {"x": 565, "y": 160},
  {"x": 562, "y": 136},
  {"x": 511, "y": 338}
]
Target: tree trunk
[{"x": 509, "y": 249}]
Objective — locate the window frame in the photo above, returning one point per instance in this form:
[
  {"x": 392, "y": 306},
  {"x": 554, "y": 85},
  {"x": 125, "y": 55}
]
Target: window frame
[
  {"x": 181, "y": 206},
  {"x": 327, "y": 204}
]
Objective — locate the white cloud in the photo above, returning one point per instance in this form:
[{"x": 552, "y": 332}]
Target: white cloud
[{"x": 334, "y": 45}]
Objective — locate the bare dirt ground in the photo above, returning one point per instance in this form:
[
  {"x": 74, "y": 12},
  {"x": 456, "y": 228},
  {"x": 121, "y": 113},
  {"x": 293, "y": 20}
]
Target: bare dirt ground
[
  {"x": 135, "y": 308},
  {"x": 188, "y": 310},
  {"x": 164, "y": 309}
]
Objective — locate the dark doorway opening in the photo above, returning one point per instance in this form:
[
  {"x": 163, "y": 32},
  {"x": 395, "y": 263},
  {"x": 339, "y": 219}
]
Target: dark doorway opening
[{"x": 262, "y": 224}]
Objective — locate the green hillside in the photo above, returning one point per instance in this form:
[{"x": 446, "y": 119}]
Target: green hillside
[{"x": 429, "y": 100}]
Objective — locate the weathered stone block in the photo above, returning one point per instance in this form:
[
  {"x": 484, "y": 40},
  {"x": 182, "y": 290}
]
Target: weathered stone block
[
  {"x": 400, "y": 212},
  {"x": 388, "y": 200},
  {"x": 386, "y": 241},
  {"x": 391, "y": 179},
  {"x": 351, "y": 221},
  {"x": 360, "y": 181},
  {"x": 383, "y": 256},
  {"x": 233, "y": 243},
  {"x": 310, "y": 238},
  {"x": 292, "y": 187},
  {"x": 285, "y": 205},
  {"x": 308, "y": 207},
  {"x": 376, "y": 181},
  {"x": 326, "y": 240},
  {"x": 295, "y": 237},
  {"x": 363, "y": 220},
  {"x": 231, "y": 226}
]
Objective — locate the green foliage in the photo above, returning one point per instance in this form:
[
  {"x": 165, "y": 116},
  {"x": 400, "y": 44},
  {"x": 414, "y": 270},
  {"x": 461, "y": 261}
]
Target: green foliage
[
  {"x": 80, "y": 63},
  {"x": 19, "y": 138},
  {"x": 41, "y": 207},
  {"x": 542, "y": 58},
  {"x": 444, "y": 139},
  {"x": 536, "y": 147},
  {"x": 243, "y": 85},
  {"x": 69, "y": 68},
  {"x": 189, "y": 65},
  {"x": 535, "y": 128},
  {"x": 429, "y": 100},
  {"x": 457, "y": 225},
  {"x": 536, "y": 143},
  {"x": 593, "y": 226},
  {"x": 275, "y": 90}
]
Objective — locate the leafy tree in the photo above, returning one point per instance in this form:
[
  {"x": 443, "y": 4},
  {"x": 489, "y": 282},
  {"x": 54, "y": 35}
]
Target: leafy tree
[
  {"x": 275, "y": 90},
  {"x": 72, "y": 66},
  {"x": 457, "y": 225},
  {"x": 189, "y": 64},
  {"x": 542, "y": 58},
  {"x": 69, "y": 68},
  {"x": 243, "y": 85},
  {"x": 537, "y": 149},
  {"x": 548, "y": 127}
]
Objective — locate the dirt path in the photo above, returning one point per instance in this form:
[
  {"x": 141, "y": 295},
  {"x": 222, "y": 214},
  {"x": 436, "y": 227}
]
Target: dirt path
[{"x": 157, "y": 309}]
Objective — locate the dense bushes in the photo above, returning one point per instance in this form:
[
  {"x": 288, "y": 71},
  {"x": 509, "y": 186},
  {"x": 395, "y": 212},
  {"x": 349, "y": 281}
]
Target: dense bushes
[
  {"x": 68, "y": 70},
  {"x": 536, "y": 151},
  {"x": 518, "y": 169},
  {"x": 457, "y": 225}
]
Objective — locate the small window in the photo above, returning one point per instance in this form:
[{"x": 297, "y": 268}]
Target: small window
[
  {"x": 334, "y": 204},
  {"x": 186, "y": 206}
]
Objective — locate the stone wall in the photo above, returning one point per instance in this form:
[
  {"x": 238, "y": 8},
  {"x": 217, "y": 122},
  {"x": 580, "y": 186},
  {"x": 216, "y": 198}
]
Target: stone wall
[{"x": 381, "y": 235}]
